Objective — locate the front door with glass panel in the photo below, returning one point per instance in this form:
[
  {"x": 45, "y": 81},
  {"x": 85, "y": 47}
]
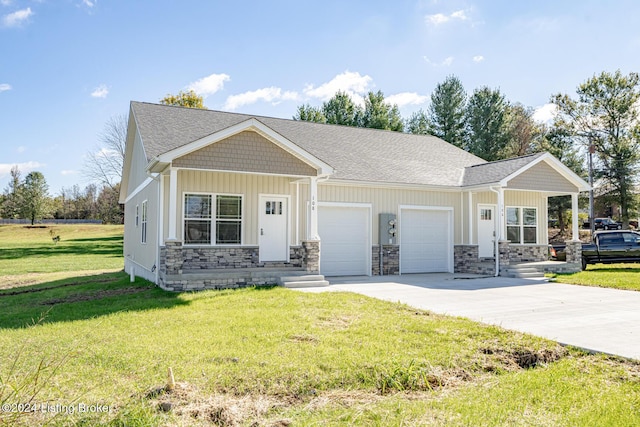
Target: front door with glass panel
[
  {"x": 273, "y": 230},
  {"x": 486, "y": 231}
]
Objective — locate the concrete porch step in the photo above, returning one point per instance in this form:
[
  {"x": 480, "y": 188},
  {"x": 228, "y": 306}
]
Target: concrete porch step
[
  {"x": 303, "y": 281},
  {"x": 523, "y": 271}
]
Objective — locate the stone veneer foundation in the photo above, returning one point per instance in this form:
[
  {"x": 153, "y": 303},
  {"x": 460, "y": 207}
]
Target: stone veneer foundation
[
  {"x": 194, "y": 268},
  {"x": 200, "y": 267},
  {"x": 466, "y": 260},
  {"x": 390, "y": 260}
]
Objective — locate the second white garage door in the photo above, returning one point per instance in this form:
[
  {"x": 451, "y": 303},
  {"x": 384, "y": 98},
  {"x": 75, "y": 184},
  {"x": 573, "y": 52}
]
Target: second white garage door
[
  {"x": 425, "y": 240},
  {"x": 345, "y": 242}
]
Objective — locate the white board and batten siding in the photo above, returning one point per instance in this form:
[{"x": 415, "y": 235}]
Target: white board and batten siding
[
  {"x": 249, "y": 186},
  {"x": 345, "y": 233},
  {"x": 426, "y": 239}
]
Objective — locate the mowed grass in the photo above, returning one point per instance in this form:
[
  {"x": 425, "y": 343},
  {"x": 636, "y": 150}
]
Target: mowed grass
[
  {"x": 618, "y": 276},
  {"x": 273, "y": 356},
  {"x": 26, "y": 254}
]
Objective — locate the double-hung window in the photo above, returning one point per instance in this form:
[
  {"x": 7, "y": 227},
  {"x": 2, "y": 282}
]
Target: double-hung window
[
  {"x": 522, "y": 225},
  {"x": 143, "y": 223},
  {"x": 212, "y": 219}
]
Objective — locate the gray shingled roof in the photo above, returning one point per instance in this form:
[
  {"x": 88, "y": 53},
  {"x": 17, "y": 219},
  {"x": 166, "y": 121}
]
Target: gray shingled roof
[
  {"x": 355, "y": 153},
  {"x": 487, "y": 173}
]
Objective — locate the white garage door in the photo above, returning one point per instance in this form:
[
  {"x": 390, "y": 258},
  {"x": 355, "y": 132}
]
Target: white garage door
[
  {"x": 345, "y": 244},
  {"x": 425, "y": 241}
]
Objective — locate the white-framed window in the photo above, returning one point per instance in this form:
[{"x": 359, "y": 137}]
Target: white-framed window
[
  {"x": 212, "y": 219},
  {"x": 522, "y": 225},
  {"x": 137, "y": 215},
  {"x": 143, "y": 223}
]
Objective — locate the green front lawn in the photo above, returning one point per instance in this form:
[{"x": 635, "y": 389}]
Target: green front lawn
[
  {"x": 87, "y": 337},
  {"x": 618, "y": 276},
  {"x": 81, "y": 247},
  {"x": 275, "y": 356}
]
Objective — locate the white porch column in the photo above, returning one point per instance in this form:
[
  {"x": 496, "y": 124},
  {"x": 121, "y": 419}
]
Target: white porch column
[
  {"x": 575, "y": 233},
  {"x": 313, "y": 205},
  {"x": 470, "y": 217},
  {"x": 173, "y": 203},
  {"x": 501, "y": 219}
]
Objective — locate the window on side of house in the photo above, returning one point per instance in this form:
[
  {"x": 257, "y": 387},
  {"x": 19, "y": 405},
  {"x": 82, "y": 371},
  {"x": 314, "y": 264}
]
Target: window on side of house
[
  {"x": 212, "y": 219},
  {"x": 137, "y": 215},
  {"x": 522, "y": 225},
  {"x": 143, "y": 223}
]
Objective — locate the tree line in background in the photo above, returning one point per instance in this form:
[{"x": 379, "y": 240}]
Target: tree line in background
[
  {"x": 604, "y": 117},
  {"x": 29, "y": 198}
]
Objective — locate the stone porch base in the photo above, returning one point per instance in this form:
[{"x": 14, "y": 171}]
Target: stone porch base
[{"x": 198, "y": 280}]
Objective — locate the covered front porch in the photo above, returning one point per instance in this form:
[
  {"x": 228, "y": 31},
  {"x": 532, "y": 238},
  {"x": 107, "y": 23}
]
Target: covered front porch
[{"x": 507, "y": 224}]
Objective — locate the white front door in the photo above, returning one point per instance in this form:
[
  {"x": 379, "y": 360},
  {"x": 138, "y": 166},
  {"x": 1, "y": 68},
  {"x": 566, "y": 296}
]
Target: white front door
[
  {"x": 273, "y": 230},
  {"x": 486, "y": 231}
]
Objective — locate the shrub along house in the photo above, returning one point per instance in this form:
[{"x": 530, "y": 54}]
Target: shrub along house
[{"x": 215, "y": 199}]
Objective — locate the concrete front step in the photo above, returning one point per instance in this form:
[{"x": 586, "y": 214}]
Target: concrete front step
[
  {"x": 523, "y": 272},
  {"x": 303, "y": 281},
  {"x": 306, "y": 284}
]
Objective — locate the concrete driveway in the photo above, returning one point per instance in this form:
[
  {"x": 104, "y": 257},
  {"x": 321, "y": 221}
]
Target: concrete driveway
[{"x": 596, "y": 319}]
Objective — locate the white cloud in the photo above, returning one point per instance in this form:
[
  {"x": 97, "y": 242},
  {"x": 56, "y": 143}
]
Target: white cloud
[
  {"x": 209, "y": 85},
  {"x": 100, "y": 92},
  {"x": 68, "y": 172},
  {"x": 16, "y": 18},
  {"x": 5, "y": 2},
  {"x": 21, "y": 149},
  {"x": 353, "y": 84},
  {"x": 25, "y": 167},
  {"x": 269, "y": 94},
  {"x": 89, "y": 3},
  {"x": 459, "y": 14},
  {"x": 105, "y": 152},
  {"x": 478, "y": 58},
  {"x": 437, "y": 19},
  {"x": 445, "y": 63},
  {"x": 406, "y": 98},
  {"x": 440, "y": 18},
  {"x": 545, "y": 113},
  {"x": 4, "y": 87}
]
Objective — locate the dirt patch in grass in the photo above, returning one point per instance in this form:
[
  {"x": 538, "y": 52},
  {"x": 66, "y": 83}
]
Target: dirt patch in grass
[
  {"x": 520, "y": 358},
  {"x": 97, "y": 295},
  {"x": 192, "y": 407},
  {"x": 304, "y": 338}
]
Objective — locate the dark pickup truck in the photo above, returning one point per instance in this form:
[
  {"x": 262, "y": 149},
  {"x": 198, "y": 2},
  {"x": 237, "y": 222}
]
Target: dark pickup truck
[{"x": 611, "y": 246}]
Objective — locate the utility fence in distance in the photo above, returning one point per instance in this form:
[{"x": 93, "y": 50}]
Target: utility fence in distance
[{"x": 51, "y": 221}]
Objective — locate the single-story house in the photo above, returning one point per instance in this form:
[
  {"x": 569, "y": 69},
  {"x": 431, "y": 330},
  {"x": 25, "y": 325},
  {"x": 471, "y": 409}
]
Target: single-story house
[{"x": 215, "y": 199}]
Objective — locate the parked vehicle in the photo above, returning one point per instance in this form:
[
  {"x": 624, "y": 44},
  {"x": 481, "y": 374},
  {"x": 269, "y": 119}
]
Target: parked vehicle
[
  {"x": 609, "y": 247},
  {"x": 606, "y": 224},
  {"x": 557, "y": 252}
]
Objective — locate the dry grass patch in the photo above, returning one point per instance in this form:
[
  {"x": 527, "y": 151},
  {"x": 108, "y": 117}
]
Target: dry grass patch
[
  {"x": 513, "y": 359},
  {"x": 190, "y": 407},
  {"x": 27, "y": 279}
]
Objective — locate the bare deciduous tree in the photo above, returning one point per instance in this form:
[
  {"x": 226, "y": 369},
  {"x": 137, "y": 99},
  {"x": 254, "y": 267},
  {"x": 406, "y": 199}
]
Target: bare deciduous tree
[{"x": 103, "y": 165}]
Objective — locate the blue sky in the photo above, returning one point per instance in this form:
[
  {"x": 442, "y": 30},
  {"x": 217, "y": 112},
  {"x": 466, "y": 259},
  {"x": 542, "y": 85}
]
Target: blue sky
[{"x": 67, "y": 66}]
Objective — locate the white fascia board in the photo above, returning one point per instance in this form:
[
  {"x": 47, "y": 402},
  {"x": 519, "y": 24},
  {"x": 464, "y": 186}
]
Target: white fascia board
[
  {"x": 138, "y": 189},
  {"x": 132, "y": 131},
  {"x": 555, "y": 164},
  {"x": 252, "y": 125}
]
